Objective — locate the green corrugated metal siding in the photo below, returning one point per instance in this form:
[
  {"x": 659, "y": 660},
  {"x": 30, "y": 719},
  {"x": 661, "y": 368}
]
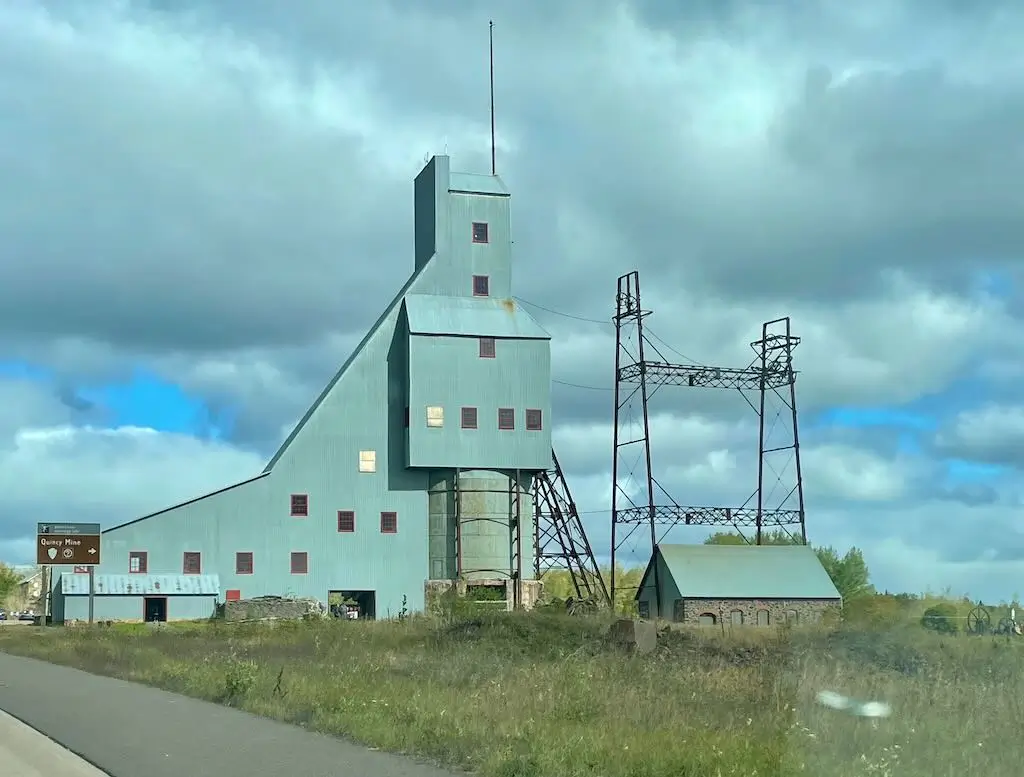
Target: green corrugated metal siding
[
  {"x": 747, "y": 572},
  {"x": 448, "y": 372}
]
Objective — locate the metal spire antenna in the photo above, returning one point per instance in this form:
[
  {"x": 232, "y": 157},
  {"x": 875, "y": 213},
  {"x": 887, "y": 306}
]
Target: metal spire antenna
[
  {"x": 640, "y": 369},
  {"x": 494, "y": 167}
]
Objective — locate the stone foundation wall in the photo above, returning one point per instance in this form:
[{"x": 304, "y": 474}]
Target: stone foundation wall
[
  {"x": 779, "y": 611},
  {"x": 530, "y": 590},
  {"x": 271, "y": 607}
]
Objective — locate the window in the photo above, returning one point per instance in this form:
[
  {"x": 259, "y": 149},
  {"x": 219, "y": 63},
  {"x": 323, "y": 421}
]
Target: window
[
  {"x": 736, "y": 617},
  {"x": 534, "y": 420},
  {"x": 435, "y": 417},
  {"x": 367, "y": 461},
  {"x": 300, "y": 563},
  {"x": 232, "y": 595},
  {"x": 643, "y": 609},
  {"x": 481, "y": 286},
  {"x": 346, "y": 521},
  {"x": 138, "y": 562},
  {"x": 389, "y": 523},
  {"x": 487, "y": 349},
  {"x": 192, "y": 563},
  {"x": 480, "y": 232},
  {"x": 243, "y": 563},
  {"x": 469, "y": 418},
  {"x": 763, "y": 618},
  {"x": 707, "y": 619},
  {"x": 506, "y": 418},
  {"x": 300, "y": 505}
]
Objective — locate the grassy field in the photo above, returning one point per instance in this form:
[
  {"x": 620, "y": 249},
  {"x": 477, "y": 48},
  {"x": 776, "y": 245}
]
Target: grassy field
[{"x": 545, "y": 694}]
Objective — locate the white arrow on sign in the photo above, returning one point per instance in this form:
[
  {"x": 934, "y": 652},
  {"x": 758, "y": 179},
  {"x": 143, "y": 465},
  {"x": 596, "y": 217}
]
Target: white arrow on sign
[{"x": 92, "y": 551}]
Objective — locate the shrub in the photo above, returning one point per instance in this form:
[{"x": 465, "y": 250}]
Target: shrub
[{"x": 942, "y": 618}]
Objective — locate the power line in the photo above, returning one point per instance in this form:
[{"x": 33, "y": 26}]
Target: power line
[{"x": 589, "y": 320}]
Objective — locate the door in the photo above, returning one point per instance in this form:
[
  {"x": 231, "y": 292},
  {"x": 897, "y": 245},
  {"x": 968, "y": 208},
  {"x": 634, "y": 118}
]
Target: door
[{"x": 154, "y": 609}]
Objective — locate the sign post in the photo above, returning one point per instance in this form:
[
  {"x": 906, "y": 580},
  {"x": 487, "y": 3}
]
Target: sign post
[{"x": 75, "y": 544}]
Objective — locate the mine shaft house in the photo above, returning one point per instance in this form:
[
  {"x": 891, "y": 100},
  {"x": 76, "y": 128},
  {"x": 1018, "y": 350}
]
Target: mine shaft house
[
  {"x": 412, "y": 472},
  {"x": 761, "y": 585}
]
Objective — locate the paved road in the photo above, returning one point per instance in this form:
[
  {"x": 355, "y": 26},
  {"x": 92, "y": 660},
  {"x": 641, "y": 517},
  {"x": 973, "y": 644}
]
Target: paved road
[
  {"x": 24, "y": 752},
  {"x": 129, "y": 730}
]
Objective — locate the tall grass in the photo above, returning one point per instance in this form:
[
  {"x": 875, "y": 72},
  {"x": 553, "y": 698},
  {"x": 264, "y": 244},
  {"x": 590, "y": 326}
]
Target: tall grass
[{"x": 545, "y": 694}]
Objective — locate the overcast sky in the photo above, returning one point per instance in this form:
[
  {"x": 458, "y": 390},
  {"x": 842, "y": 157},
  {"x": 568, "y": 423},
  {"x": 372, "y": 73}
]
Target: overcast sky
[{"x": 204, "y": 205}]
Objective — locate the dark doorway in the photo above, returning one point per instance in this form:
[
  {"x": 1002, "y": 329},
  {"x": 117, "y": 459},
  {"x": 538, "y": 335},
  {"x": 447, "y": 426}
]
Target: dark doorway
[
  {"x": 154, "y": 609},
  {"x": 354, "y": 605}
]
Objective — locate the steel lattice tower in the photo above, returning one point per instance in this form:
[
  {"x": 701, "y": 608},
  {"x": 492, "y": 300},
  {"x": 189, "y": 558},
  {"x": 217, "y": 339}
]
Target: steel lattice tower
[
  {"x": 641, "y": 369},
  {"x": 559, "y": 537}
]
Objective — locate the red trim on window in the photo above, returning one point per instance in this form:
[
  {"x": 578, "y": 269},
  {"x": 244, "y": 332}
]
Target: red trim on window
[
  {"x": 388, "y": 523},
  {"x": 488, "y": 348},
  {"x": 469, "y": 418},
  {"x": 481, "y": 286},
  {"x": 300, "y": 506},
  {"x": 346, "y": 521},
  {"x": 198, "y": 557},
  {"x": 480, "y": 232},
  {"x": 534, "y": 420},
  {"x": 302, "y": 565},
  {"x": 143, "y": 557},
  {"x": 252, "y": 562},
  {"x": 506, "y": 419}
]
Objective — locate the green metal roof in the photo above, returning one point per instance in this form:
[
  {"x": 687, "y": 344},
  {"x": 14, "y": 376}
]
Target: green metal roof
[
  {"x": 747, "y": 572},
  {"x": 473, "y": 183},
  {"x": 472, "y": 317}
]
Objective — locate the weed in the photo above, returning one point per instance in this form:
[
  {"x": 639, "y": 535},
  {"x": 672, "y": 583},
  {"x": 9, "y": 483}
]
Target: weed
[{"x": 544, "y": 694}]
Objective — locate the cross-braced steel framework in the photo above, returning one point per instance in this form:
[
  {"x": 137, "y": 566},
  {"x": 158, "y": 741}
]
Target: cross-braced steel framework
[
  {"x": 560, "y": 541},
  {"x": 640, "y": 370}
]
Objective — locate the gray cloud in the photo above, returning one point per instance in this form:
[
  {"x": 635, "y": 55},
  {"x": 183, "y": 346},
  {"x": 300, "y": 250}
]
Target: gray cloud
[{"x": 222, "y": 193}]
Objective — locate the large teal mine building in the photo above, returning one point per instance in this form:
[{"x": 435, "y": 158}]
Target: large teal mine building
[{"x": 411, "y": 471}]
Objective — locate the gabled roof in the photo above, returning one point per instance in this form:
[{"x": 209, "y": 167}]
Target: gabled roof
[
  {"x": 746, "y": 572},
  {"x": 429, "y": 314}
]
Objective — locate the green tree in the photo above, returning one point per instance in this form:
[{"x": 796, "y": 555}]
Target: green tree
[
  {"x": 9, "y": 580},
  {"x": 849, "y": 572}
]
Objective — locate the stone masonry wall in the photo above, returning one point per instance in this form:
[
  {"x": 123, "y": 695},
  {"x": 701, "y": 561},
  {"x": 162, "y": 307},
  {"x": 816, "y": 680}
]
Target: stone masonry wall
[
  {"x": 688, "y": 611},
  {"x": 271, "y": 607}
]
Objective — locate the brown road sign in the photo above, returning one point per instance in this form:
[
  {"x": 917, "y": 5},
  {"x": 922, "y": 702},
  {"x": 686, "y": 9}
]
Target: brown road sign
[{"x": 68, "y": 543}]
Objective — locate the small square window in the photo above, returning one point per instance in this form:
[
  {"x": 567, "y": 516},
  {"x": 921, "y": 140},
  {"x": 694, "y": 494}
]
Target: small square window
[
  {"x": 300, "y": 506},
  {"x": 300, "y": 563},
  {"x": 435, "y": 417},
  {"x": 367, "y": 461},
  {"x": 138, "y": 562},
  {"x": 346, "y": 521},
  {"x": 469, "y": 418},
  {"x": 192, "y": 563},
  {"x": 487, "y": 348},
  {"x": 480, "y": 232},
  {"x": 389, "y": 523},
  {"x": 506, "y": 418},
  {"x": 534, "y": 420},
  {"x": 243, "y": 563},
  {"x": 481, "y": 286}
]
